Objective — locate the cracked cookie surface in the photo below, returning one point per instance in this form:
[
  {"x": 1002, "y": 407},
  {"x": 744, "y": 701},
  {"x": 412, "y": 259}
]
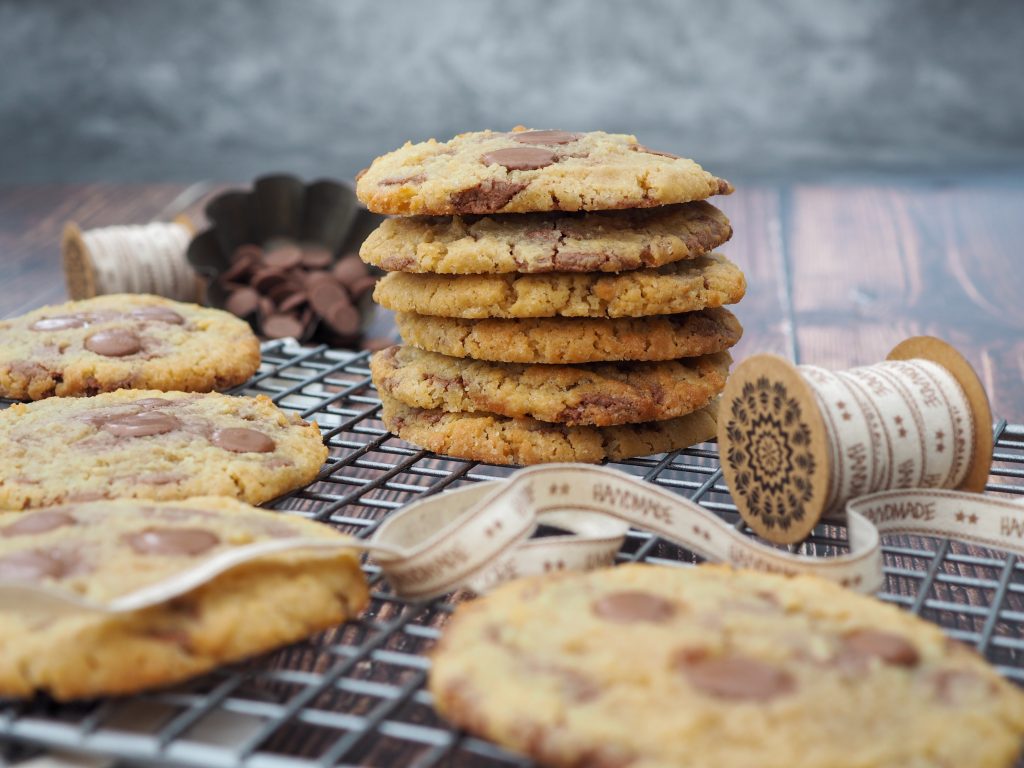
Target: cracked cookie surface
[
  {"x": 574, "y": 339},
  {"x": 522, "y": 170},
  {"x": 123, "y": 341},
  {"x": 608, "y": 241},
  {"x": 709, "y": 667},
  {"x": 155, "y": 445},
  {"x": 496, "y": 439},
  {"x": 684, "y": 286},
  {"x": 597, "y": 395},
  {"x": 102, "y": 550}
]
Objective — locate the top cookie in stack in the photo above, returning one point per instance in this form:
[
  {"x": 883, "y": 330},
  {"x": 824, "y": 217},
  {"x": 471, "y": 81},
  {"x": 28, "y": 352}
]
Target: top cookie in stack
[{"x": 557, "y": 293}]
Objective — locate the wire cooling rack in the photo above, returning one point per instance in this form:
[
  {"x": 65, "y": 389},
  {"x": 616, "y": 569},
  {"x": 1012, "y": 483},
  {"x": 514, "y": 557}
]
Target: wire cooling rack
[{"x": 355, "y": 695}]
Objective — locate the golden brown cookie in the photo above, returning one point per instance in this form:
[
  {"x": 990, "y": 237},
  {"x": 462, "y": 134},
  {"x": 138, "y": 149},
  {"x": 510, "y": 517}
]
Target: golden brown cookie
[
  {"x": 153, "y": 445},
  {"x": 501, "y": 440},
  {"x": 522, "y": 171},
  {"x": 709, "y": 667},
  {"x": 102, "y": 550},
  {"x": 602, "y": 394},
  {"x": 683, "y": 286},
  {"x": 123, "y": 341},
  {"x": 607, "y": 241},
  {"x": 574, "y": 339}
]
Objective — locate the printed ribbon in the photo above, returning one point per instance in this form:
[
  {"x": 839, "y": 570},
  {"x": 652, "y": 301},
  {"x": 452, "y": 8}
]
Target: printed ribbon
[{"x": 479, "y": 536}]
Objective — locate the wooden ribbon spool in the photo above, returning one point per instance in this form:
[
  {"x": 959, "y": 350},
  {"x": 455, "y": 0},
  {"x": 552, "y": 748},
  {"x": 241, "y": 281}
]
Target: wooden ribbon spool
[
  {"x": 145, "y": 258},
  {"x": 778, "y": 442}
]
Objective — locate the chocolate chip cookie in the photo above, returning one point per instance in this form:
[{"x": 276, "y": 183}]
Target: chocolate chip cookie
[
  {"x": 683, "y": 286},
  {"x": 522, "y": 170},
  {"x": 101, "y": 550},
  {"x": 498, "y": 439},
  {"x": 710, "y": 667},
  {"x": 153, "y": 445},
  {"x": 609, "y": 241},
  {"x": 599, "y": 395},
  {"x": 123, "y": 341},
  {"x": 574, "y": 339}
]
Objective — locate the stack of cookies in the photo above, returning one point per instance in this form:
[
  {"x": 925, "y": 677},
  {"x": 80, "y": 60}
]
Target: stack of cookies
[{"x": 557, "y": 293}]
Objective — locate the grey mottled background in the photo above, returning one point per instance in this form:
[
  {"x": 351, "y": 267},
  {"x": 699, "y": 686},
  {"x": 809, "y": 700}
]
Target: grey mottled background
[{"x": 107, "y": 90}]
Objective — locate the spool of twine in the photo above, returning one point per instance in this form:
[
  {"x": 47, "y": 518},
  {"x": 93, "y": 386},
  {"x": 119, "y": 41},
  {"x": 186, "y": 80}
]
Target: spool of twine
[
  {"x": 799, "y": 442},
  {"x": 147, "y": 258}
]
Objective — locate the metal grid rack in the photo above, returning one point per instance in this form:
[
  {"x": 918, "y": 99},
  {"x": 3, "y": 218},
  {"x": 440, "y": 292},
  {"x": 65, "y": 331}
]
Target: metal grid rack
[{"x": 354, "y": 695}]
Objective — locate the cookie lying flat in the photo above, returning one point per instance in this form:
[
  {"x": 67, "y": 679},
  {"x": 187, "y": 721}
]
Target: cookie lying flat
[
  {"x": 153, "y": 445},
  {"x": 707, "y": 667},
  {"x": 608, "y": 241},
  {"x": 105, "y": 549},
  {"x": 684, "y": 286},
  {"x": 598, "y": 395},
  {"x": 123, "y": 341},
  {"x": 574, "y": 339},
  {"x": 522, "y": 171},
  {"x": 501, "y": 440}
]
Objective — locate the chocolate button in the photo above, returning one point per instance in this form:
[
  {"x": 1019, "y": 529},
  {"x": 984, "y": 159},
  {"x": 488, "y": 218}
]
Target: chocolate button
[
  {"x": 242, "y": 302},
  {"x": 158, "y": 314},
  {"x": 544, "y": 137},
  {"x": 242, "y": 440},
  {"x": 58, "y": 323},
  {"x": 284, "y": 257},
  {"x": 172, "y": 541},
  {"x": 280, "y": 326},
  {"x": 520, "y": 158},
  {"x": 349, "y": 269},
  {"x": 735, "y": 677},
  {"x": 332, "y": 303},
  {"x": 141, "y": 424},
  {"x": 316, "y": 257},
  {"x": 632, "y": 606},
  {"x": 34, "y": 566},
  {"x": 113, "y": 343},
  {"x": 37, "y": 522},
  {"x": 872, "y": 643}
]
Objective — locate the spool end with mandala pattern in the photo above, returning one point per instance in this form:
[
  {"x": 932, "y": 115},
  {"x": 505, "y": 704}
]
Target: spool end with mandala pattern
[
  {"x": 941, "y": 353},
  {"x": 774, "y": 449}
]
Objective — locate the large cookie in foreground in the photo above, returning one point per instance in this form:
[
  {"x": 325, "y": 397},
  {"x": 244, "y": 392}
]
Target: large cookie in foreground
[
  {"x": 496, "y": 439},
  {"x": 707, "y": 667},
  {"x": 101, "y": 550},
  {"x": 608, "y": 241},
  {"x": 153, "y": 445},
  {"x": 601, "y": 394},
  {"x": 574, "y": 339},
  {"x": 522, "y": 171},
  {"x": 683, "y": 286},
  {"x": 123, "y": 341}
]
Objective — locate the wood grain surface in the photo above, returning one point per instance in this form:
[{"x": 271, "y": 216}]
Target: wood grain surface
[{"x": 837, "y": 273}]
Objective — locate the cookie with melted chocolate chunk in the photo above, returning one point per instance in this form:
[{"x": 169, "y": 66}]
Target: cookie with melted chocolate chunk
[
  {"x": 123, "y": 341},
  {"x": 522, "y": 170},
  {"x": 153, "y": 445},
  {"x": 102, "y": 550},
  {"x": 711, "y": 667}
]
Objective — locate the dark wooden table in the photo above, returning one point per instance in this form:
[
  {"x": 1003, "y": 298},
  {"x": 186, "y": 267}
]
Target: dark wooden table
[{"x": 838, "y": 272}]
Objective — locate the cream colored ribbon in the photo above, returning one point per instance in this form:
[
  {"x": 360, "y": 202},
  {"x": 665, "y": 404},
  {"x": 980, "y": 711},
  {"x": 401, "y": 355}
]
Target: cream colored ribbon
[{"x": 479, "y": 536}]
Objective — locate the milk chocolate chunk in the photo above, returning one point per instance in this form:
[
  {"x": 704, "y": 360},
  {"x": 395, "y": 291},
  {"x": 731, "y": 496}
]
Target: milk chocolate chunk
[
  {"x": 332, "y": 303},
  {"x": 488, "y": 196},
  {"x": 548, "y": 138},
  {"x": 172, "y": 541},
  {"x": 58, "y": 323},
  {"x": 115, "y": 343},
  {"x": 158, "y": 314},
  {"x": 36, "y": 565},
  {"x": 242, "y": 302},
  {"x": 349, "y": 269},
  {"x": 734, "y": 677},
  {"x": 864, "y": 644},
  {"x": 633, "y": 606},
  {"x": 141, "y": 424},
  {"x": 520, "y": 158},
  {"x": 647, "y": 151},
  {"x": 38, "y": 522},
  {"x": 316, "y": 257},
  {"x": 242, "y": 440}
]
